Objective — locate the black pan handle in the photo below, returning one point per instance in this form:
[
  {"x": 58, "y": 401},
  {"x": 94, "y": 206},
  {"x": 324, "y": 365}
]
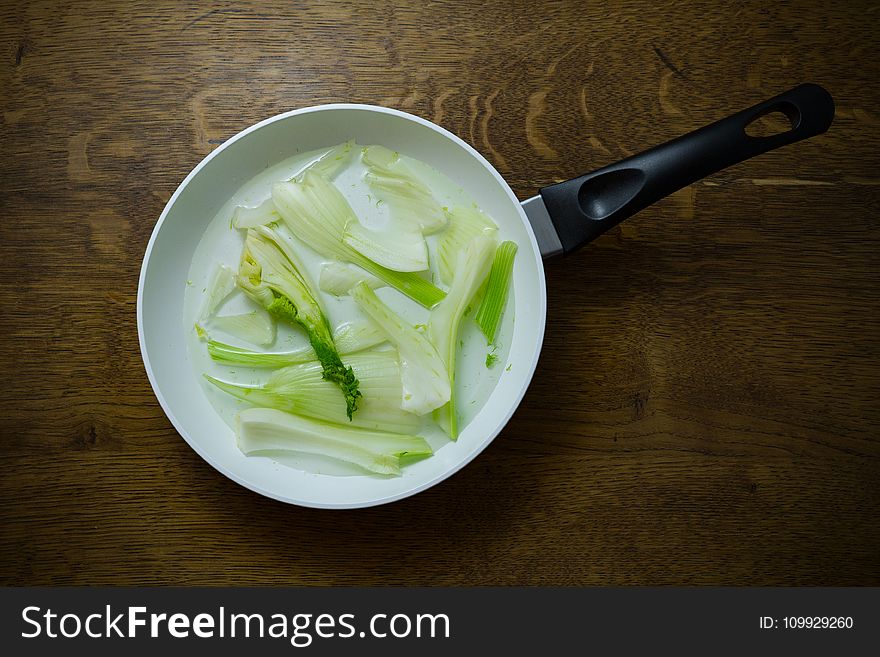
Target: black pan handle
[{"x": 583, "y": 208}]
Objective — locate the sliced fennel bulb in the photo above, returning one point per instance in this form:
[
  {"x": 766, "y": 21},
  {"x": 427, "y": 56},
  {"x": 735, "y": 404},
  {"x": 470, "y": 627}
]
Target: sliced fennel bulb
[
  {"x": 255, "y": 327},
  {"x": 221, "y": 286},
  {"x": 357, "y": 335},
  {"x": 471, "y": 270},
  {"x": 337, "y": 278},
  {"x": 464, "y": 224},
  {"x": 270, "y": 275},
  {"x": 267, "y": 431},
  {"x": 301, "y": 389},
  {"x": 423, "y": 372},
  {"x": 317, "y": 213},
  {"x": 409, "y": 199},
  {"x": 350, "y": 337},
  {"x": 331, "y": 162},
  {"x": 399, "y": 246},
  {"x": 265, "y": 213}
]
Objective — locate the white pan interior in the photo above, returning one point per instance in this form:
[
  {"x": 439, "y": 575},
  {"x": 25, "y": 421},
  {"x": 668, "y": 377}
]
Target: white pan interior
[{"x": 198, "y": 199}]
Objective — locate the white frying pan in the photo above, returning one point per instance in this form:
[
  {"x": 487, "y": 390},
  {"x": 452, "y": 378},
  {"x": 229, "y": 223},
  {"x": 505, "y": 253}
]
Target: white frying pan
[{"x": 560, "y": 219}]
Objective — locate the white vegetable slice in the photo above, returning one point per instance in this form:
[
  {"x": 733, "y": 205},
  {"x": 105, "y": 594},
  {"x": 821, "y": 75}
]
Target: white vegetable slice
[
  {"x": 471, "y": 269},
  {"x": 264, "y": 431},
  {"x": 400, "y": 246},
  {"x": 422, "y": 370},
  {"x": 222, "y": 285},
  {"x": 409, "y": 198},
  {"x": 264, "y": 213},
  {"x": 357, "y": 335},
  {"x": 331, "y": 162},
  {"x": 255, "y": 327},
  {"x": 337, "y": 278},
  {"x": 465, "y": 223}
]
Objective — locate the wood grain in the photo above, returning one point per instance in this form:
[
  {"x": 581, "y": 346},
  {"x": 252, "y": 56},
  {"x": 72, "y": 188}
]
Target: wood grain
[{"x": 706, "y": 407}]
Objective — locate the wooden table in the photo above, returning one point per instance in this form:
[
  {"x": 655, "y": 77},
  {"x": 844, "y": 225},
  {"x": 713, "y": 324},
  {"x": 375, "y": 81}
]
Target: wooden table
[{"x": 706, "y": 406}]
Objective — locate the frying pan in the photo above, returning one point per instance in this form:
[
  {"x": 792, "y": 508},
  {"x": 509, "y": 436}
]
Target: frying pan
[{"x": 560, "y": 219}]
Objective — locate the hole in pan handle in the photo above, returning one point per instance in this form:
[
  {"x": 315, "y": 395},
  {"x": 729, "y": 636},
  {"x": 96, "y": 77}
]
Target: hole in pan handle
[{"x": 583, "y": 208}]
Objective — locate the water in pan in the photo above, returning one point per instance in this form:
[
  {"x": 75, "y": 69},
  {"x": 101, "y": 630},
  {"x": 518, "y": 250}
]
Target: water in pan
[{"x": 222, "y": 244}]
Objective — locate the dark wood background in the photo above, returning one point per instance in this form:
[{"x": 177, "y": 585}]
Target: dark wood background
[{"x": 706, "y": 406}]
